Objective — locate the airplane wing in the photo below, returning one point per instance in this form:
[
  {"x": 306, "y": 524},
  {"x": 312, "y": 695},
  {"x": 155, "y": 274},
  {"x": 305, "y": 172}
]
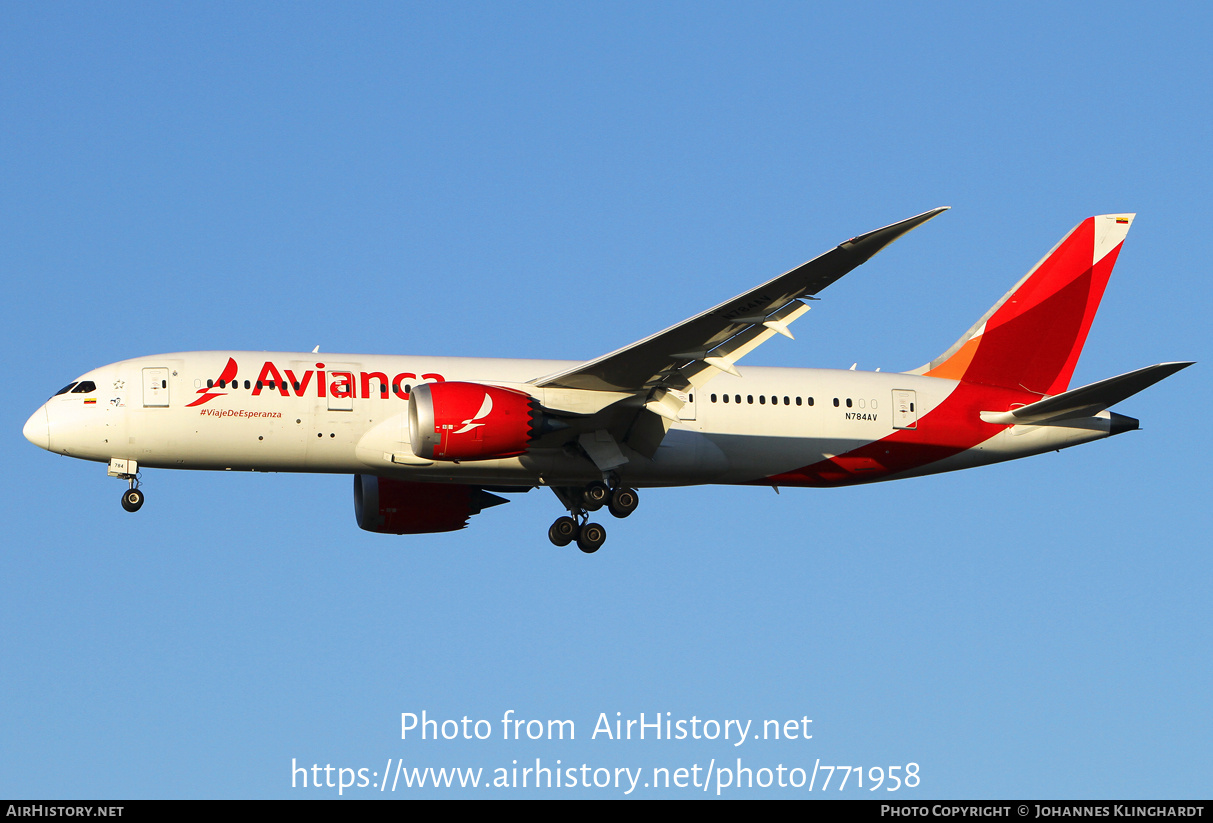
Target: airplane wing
[{"x": 692, "y": 352}]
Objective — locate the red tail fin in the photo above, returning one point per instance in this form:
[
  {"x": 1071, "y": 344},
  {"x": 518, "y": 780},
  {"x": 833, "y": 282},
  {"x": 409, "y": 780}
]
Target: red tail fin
[{"x": 1032, "y": 337}]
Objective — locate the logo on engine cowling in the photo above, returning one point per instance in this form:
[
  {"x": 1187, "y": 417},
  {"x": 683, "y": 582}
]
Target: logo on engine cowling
[
  {"x": 470, "y": 423},
  {"x": 441, "y": 428}
]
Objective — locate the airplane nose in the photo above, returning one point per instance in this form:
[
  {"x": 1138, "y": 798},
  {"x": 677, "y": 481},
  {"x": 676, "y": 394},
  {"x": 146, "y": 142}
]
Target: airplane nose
[{"x": 37, "y": 429}]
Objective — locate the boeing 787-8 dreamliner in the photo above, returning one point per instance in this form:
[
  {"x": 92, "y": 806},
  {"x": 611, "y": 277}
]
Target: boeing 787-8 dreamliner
[{"x": 432, "y": 441}]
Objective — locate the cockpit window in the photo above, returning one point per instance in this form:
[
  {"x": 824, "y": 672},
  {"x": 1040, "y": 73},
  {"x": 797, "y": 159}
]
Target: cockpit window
[
  {"x": 65, "y": 389},
  {"x": 84, "y": 386}
]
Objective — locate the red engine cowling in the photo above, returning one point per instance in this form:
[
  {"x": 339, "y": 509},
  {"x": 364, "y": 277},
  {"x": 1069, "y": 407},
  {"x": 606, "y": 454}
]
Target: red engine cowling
[
  {"x": 469, "y": 421},
  {"x": 389, "y": 506}
]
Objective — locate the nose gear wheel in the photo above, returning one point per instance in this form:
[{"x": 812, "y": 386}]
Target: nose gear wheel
[{"x": 132, "y": 498}]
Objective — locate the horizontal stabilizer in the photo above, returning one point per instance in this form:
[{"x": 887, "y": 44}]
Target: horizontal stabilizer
[{"x": 1087, "y": 400}]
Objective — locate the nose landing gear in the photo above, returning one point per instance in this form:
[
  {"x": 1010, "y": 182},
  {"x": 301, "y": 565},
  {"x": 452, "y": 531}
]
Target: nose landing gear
[
  {"x": 132, "y": 498},
  {"x": 128, "y": 470},
  {"x": 620, "y": 501}
]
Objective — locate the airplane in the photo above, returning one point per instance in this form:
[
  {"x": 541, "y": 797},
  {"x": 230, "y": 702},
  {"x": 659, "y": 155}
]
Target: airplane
[{"x": 431, "y": 441}]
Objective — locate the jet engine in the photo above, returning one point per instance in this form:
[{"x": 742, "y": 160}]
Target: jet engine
[
  {"x": 389, "y": 506},
  {"x": 469, "y": 421}
]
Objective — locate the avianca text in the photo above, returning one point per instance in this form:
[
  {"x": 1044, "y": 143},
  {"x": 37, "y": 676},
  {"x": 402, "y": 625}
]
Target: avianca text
[{"x": 338, "y": 383}]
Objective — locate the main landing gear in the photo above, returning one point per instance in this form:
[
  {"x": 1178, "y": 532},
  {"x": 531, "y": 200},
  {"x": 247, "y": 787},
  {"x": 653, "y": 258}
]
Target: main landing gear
[{"x": 619, "y": 501}]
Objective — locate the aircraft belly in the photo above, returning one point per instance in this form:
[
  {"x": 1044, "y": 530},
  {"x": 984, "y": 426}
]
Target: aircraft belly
[
  {"x": 752, "y": 457},
  {"x": 684, "y": 457},
  {"x": 1019, "y": 441}
]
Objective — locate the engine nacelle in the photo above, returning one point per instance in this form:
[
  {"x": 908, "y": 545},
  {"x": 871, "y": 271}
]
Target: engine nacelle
[
  {"x": 388, "y": 506},
  {"x": 470, "y": 421}
]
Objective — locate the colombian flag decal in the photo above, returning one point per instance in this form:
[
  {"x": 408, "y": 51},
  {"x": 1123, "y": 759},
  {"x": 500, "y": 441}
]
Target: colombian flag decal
[{"x": 90, "y": 401}]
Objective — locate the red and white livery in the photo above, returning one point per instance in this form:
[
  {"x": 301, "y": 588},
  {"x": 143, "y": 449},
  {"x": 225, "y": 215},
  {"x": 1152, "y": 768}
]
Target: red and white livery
[{"x": 433, "y": 440}]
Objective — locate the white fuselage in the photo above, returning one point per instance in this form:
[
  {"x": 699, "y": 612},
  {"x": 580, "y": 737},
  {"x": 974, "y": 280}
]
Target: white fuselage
[{"x": 347, "y": 413}]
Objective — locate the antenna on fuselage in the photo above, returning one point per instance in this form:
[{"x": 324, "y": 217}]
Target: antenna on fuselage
[{"x": 316, "y": 350}]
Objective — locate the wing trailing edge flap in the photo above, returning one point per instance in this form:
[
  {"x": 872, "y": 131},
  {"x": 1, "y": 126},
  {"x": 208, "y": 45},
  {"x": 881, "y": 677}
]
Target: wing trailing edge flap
[
  {"x": 703, "y": 366},
  {"x": 1088, "y": 400}
]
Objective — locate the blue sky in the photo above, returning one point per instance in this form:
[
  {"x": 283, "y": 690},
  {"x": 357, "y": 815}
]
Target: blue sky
[{"x": 534, "y": 180}]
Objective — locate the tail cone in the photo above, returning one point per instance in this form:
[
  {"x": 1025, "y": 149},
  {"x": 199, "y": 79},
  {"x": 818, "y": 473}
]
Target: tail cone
[{"x": 1122, "y": 423}]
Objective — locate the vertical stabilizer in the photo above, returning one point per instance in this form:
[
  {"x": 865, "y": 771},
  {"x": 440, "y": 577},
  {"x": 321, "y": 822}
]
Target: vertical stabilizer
[{"x": 1032, "y": 337}]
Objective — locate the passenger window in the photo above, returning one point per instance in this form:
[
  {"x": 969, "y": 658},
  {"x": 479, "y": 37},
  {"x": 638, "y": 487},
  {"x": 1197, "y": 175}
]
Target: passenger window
[
  {"x": 835, "y": 402},
  {"x": 713, "y": 398},
  {"x": 797, "y": 401},
  {"x": 64, "y": 390},
  {"x": 725, "y": 398},
  {"x": 848, "y": 402},
  {"x": 810, "y": 401},
  {"x": 749, "y": 398},
  {"x": 762, "y": 399}
]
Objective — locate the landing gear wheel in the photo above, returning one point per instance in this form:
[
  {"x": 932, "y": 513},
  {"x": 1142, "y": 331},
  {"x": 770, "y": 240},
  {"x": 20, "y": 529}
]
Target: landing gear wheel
[
  {"x": 563, "y": 531},
  {"x": 591, "y": 538},
  {"x": 132, "y": 499},
  {"x": 594, "y": 496},
  {"x": 623, "y": 502}
]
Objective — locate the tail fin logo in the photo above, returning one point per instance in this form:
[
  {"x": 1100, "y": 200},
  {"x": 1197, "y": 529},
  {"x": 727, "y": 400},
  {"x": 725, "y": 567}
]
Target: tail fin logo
[
  {"x": 1031, "y": 339},
  {"x": 208, "y": 393}
]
